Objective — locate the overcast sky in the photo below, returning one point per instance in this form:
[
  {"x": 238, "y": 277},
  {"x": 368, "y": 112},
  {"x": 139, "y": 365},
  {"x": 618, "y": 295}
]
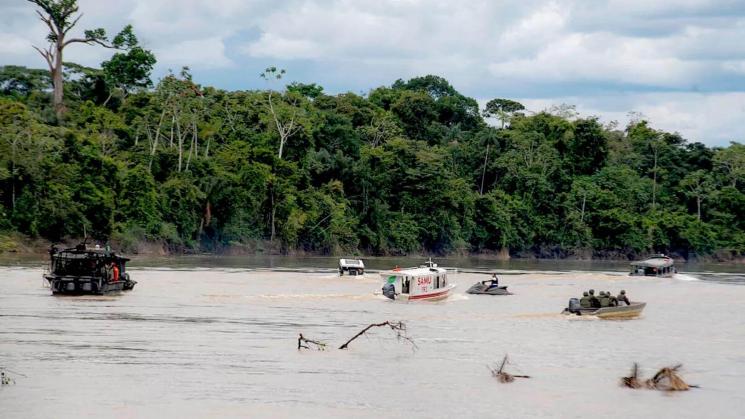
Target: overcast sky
[{"x": 681, "y": 63}]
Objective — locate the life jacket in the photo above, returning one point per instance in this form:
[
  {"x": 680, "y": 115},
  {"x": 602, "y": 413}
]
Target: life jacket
[{"x": 115, "y": 273}]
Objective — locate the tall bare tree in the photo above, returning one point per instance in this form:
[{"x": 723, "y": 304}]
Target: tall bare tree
[
  {"x": 285, "y": 120},
  {"x": 61, "y": 16}
]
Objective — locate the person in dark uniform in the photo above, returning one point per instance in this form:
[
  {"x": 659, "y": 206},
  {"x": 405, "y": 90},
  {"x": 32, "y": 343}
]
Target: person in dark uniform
[
  {"x": 622, "y": 298},
  {"x": 594, "y": 301}
]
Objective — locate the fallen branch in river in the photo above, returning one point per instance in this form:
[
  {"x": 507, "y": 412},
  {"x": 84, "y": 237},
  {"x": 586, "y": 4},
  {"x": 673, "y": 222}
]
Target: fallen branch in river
[
  {"x": 667, "y": 379},
  {"x": 304, "y": 343},
  {"x": 502, "y": 375},
  {"x": 398, "y": 327},
  {"x": 633, "y": 380}
]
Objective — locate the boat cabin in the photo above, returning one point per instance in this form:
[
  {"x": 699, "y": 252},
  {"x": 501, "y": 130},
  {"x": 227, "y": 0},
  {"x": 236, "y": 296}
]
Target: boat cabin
[
  {"x": 657, "y": 265},
  {"x": 351, "y": 266}
]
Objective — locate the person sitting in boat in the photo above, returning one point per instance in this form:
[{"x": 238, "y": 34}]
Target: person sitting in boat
[
  {"x": 623, "y": 299},
  {"x": 584, "y": 302},
  {"x": 594, "y": 301},
  {"x": 492, "y": 283}
]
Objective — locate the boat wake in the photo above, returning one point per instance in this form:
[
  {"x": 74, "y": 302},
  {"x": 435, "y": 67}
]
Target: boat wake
[{"x": 684, "y": 277}]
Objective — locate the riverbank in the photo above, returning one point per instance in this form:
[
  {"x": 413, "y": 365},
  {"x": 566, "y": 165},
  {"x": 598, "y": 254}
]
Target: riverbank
[{"x": 18, "y": 244}]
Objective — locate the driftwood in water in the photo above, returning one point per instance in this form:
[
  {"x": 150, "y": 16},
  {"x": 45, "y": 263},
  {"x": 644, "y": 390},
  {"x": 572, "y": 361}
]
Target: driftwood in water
[
  {"x": 5, "y": 379},
  {"x": 303, "y": 343},
  {"x": 667, "y": 379},
  {"x": 502, "y": 375},
  {"x": 632, "y": 381},
  {"x": 398, "y": 327}
]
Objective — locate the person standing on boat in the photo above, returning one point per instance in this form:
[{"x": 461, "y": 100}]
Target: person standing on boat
[{"x": 112, "y": 271}]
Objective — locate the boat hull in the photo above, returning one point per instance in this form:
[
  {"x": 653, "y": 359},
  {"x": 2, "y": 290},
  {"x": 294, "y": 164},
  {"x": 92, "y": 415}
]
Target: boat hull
[
  {"x": 86, "y": 285},
  {"x": 618, "y": 312},
  {"x": 480, "y": 288},
  {"x": 434, "y": 295}
]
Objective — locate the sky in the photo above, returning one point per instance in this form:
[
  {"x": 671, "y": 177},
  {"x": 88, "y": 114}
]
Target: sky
[{"x": 678, "y": 63}]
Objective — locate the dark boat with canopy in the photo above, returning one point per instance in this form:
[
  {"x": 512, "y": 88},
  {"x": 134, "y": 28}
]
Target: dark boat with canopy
[{"x": 87, "y": 270}]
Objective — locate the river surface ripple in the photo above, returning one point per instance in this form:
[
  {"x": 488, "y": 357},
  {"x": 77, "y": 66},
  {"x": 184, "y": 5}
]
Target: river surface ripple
[{"x": 222, "y": 343}]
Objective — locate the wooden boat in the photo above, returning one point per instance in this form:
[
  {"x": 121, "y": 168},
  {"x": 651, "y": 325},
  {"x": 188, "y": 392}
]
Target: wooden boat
[
  {"x": 656, "y": 265},
  {"x": 424, "y": 283},
  {"x": 87, "y": 270},
  {"x": 615, "y": 312}
]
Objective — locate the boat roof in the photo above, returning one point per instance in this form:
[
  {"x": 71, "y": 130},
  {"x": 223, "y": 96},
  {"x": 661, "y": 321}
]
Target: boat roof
[
  {"x": 352, "y": 262},
  {"x": 421, "y": 271},
  {"x": 656, "y": 261},
  {"x": 85, "y": 252}
]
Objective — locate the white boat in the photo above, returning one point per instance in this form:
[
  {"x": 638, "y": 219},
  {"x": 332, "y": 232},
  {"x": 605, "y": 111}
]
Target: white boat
[
  {"x": 656, "y": 265},
  {"x": 351, "y": 266},
  {"x": 426, "y": 283}
]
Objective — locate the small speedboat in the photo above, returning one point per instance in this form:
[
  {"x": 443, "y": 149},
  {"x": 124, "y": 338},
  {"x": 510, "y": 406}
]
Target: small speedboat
[
  {"x": 489, "y": 289},
  {"x": 633, "y": 309}
]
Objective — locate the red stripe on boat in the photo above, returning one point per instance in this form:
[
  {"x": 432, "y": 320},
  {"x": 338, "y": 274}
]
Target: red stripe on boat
[{"x": 418, "y": 297}]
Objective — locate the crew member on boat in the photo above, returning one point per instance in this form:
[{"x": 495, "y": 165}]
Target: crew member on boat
[{"x": 622, "y": 298}]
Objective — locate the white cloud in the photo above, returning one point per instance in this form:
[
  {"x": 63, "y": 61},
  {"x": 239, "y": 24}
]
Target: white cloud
[
  {"x": 628, "y": 52},
  {"x": 714, "y": 118},
  {"x": 200, "y": 53},
  {"x": 13, "y": 45}
]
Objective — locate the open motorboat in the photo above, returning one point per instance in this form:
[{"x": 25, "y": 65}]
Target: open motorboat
[
  {"x": 604, "y": 307},
  {"x": 426, "y": 282}
]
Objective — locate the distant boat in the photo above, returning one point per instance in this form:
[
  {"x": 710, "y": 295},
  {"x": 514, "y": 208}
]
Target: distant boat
[
  {"x": 656, "y": 265},
  {"x": 426, "y": 282},
  {"x": 87, "y": 270},
  {"x": 351, "y": 266}
]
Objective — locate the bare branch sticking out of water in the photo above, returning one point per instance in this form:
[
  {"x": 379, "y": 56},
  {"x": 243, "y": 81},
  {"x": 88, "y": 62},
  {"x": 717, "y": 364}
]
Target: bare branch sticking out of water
[
  {"x": 502, "y": 375},
  {"x": 632, "y": 381},
  {"x": 399, "y": 327},
  {"x": 304, "y": 343}
]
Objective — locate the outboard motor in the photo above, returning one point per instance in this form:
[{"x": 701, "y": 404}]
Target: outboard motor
[
  {"x": 574, "y": 305},
  {"x": 389, "y": 290}
]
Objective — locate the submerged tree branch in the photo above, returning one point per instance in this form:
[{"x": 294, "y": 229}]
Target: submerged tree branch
[{"x": 399, "y": 327}]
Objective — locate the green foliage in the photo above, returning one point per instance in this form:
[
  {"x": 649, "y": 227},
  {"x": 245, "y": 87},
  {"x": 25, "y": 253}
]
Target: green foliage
[
  {"x": 20, "y": 81},
  {"x": 411, "y": 167}
]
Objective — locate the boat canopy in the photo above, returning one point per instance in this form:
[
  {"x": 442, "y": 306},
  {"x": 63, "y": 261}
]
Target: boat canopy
[
  {"x": 351, "y": 263},
  {"x": 657, "y": 261},
  {"x": 84, "y": 261}
]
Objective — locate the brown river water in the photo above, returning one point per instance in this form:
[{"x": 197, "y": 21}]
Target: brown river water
[{"x": 200, "y": 339}]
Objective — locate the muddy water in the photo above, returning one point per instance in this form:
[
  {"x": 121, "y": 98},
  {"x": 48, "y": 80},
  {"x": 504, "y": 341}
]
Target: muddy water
[{"x": 222, "y": 343}]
